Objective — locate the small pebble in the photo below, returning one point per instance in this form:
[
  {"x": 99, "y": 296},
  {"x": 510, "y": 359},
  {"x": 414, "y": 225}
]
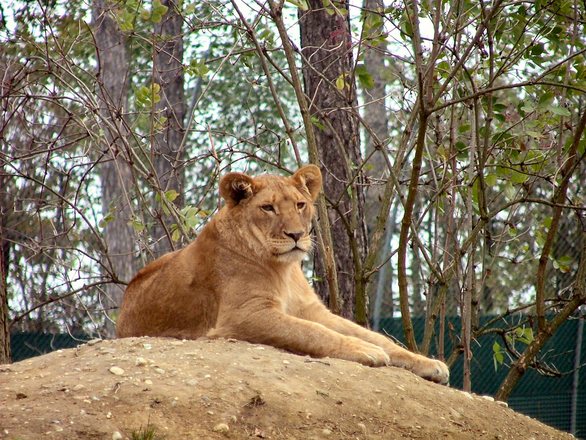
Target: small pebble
[
  {"x": 221, "y": 427},
  {"x": 117, "y": 371},
  {"x": 116, "y": 436}
]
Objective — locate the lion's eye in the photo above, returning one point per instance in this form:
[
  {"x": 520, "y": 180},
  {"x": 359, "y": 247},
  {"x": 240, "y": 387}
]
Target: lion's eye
[
  {"x": 300, "y": 205},
  {"x": 268, "y": 208}
]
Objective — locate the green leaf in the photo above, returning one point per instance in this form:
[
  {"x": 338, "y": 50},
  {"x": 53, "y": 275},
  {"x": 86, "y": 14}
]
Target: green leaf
[
  {"x": 537, "y": 49},
  {"x": 137, "y": 225},
  {"x": 500, "y": 117},
  {"x": 319, "y": 124},
  {"x": 524, "y": 335},
  {"x": 159, "y": 123},
  {"x": 528, "y": 107},
  {"x": 539, "y": 239},
  {"x": 125, "y": 20},
  {"x": 157, "y": 11},
  {"x": 512, "y": 231},
  {"x": 499, "y": 107},
  {"x": 382, "y": 38},
  {"x": 373, "y": 23},
  {"x": 566, "y": 259},
  {"x": 197, "y": 68},
  {"x": 364, "y": 77},
  {"x": 498, "y": 356},
  {"x": 171, "y": 195},
  {"x": 406, "y": 27},
  {"x": 491, "y": 179},
  {"x": 545, "y": 100},
  {"x": 517, "y": 177},
  {"x": 560, "y": 111},
  {"x": 147, "y": 97},
  {"x": 464, "y": 128},
  {"x": 192, "y": 215},
  {"x": 145, "y": 14},
  {"x": 563, "y": 264},
  {"x": 476, "y": 194},
  {"x": 462, "y": 149},
  {"x": 331, "y": 8},
  {"x": 443, "y": 68},
  {"x": 301, "y": 4},
  {"x": 176, "y": 233},
  {"x": 267, "y": 35},
  {"x": 582, "y": 146},
  {"x": 107, "y": 219},
  {"x": 341, "y": 82}
]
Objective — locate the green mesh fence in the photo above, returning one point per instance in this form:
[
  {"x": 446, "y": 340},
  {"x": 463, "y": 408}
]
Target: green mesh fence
[
  {"x": 27, "y": 345},
  {"x": 557, "y": 401}
]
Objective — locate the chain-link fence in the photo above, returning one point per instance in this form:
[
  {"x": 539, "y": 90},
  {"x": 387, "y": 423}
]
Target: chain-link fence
[
  {"x": 556, "y": 395},
  {"x": 27, "y": 345}
]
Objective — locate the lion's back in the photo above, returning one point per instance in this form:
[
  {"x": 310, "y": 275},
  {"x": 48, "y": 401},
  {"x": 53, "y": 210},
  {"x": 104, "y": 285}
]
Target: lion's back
[{"x": 172, "y": 296}]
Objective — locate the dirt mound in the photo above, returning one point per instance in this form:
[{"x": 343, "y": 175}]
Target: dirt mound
[{"x": 227, "y": 389}]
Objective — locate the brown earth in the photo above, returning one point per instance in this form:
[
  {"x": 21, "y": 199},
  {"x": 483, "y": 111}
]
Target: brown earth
[{"x": 235, "y": 390}]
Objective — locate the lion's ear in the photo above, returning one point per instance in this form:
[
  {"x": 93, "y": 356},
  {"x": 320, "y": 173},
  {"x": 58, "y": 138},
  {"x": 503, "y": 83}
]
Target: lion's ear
[
  {"x": 235, "y": 187},
  {"x": 309, "y": 178}
]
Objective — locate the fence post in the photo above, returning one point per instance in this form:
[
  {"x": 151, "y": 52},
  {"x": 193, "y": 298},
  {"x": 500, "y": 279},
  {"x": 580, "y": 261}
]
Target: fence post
[{"x": 577, "y": 369}]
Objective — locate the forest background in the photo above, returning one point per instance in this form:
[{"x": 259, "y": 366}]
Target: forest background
[{"x": 450, "y": 135}]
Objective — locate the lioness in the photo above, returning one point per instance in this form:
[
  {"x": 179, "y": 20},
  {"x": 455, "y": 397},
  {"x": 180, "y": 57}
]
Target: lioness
[{"x": 241, "y": 278}]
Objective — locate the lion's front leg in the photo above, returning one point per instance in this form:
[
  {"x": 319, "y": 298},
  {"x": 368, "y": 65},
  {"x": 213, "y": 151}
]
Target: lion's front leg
[
  {"x": 425, "y": 367},
  {"x": 272, "y": 327}
]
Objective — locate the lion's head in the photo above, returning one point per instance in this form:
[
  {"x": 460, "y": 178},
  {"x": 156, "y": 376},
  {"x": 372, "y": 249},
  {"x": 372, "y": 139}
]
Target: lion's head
[{"x": 272, "y": 215}]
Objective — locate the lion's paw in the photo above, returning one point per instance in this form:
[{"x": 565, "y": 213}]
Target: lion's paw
[
  {"x": 363, "y": 352},
  {"x": 433, "y": 370}
]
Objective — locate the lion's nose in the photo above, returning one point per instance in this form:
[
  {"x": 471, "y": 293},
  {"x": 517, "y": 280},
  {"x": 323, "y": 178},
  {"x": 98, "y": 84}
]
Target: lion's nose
[{"x": 294, "y": 235}]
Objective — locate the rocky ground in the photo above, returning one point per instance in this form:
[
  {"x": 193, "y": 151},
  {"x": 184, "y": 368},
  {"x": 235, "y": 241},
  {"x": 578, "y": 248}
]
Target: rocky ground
[{"x": 118, "y": 389}]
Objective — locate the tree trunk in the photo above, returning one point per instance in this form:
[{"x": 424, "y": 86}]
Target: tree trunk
[
  {"x": 376, "y": 119},
  {"x": 327, "y": 62},
  {"x": 4, "y": 260},
  {"x": 167, "y": 149},
  {"x": 383, "y": 296},
  {"x": 375, "y": 116},
  {"x": 113, "y": 86},
  {"x": 6, "y": 209}
]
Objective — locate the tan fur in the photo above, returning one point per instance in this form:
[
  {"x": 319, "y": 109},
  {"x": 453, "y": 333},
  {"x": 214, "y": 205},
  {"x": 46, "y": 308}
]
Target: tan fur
[{"x": 241, "y": 278}]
